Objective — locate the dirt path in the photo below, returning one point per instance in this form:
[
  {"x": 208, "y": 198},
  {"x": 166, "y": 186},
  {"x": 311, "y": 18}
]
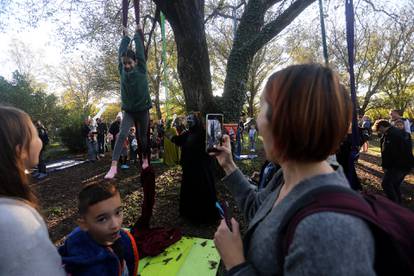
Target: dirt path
[{"x": 58, "y": 194}]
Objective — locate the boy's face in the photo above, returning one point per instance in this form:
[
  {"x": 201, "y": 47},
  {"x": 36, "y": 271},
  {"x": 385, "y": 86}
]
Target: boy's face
[
  {"x": 103, "y": 220},
  {"x": 128, "y": 63}
]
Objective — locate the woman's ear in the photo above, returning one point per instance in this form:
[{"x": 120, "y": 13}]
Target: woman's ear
[
  {"x": 82, "y": 223},
  {"x": 22, "y": 154}
]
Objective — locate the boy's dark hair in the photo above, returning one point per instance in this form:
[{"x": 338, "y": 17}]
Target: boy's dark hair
[
  {"x": 130, "y": 54},
  {"x": 95, "y": 193},
  {"x": 381, "y": 123}
]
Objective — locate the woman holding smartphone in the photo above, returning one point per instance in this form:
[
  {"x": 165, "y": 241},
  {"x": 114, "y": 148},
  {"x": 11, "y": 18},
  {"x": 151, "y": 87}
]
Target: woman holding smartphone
[{"x": 304, "y": 116}]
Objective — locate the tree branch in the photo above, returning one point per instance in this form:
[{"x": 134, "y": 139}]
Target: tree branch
[
  {"x": 155, "y": 19},
  {"x": 392, "y": 15},
  {"x": 273, "y": 28},
  {"x": 218, "y": 11}
]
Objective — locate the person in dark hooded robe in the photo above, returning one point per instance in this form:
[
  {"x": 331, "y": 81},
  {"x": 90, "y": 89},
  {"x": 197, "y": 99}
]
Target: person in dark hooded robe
[{"x": 198, "y": 192}]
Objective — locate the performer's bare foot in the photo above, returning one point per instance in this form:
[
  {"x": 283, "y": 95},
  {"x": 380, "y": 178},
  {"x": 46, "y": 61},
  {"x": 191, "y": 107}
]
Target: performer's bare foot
[
  {"x": 145, "y": 162},
  {"x": 112, "y": 172}
]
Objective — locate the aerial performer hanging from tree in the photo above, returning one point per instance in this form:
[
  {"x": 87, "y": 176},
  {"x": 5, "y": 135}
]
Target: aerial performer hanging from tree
[{"x": 135, "y": 97}]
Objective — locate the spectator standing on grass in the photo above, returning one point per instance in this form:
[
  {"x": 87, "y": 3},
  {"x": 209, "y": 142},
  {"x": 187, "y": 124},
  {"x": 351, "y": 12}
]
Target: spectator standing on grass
[
  {"x": 396, "y": 115},
  {"x": 397, "y": 158},
  {"x": 344, "y": 156},
  {"x": 101, "y": 130},
  {"x": 114, "y": 129},
  {"x": 366, "y": 125},
  {"x": 90, "y": 141},
  {"x": 123, "y": 157},
  {"x": 198, "y": 191},
  {"x": 133, "y": 145},
  {"x": 252, "y": 137},
  {"x": 25, "y": 246},
  {"x": 41, "y": 167},
  {"x": 171, "y": 150}
]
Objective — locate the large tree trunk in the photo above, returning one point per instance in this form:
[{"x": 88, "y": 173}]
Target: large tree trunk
[
  {"x": 251, "y": 36},
  {"x": 187, "y": 21},
  {"x": 157, "y": 100}
]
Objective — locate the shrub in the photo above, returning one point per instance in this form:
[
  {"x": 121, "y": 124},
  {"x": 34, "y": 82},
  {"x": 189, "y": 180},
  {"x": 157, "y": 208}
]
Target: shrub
[{"x": 71, "y": 135}]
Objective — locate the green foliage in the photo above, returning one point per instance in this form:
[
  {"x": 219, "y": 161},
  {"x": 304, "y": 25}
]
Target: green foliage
[
  {"x": 71, "y": 135},
  {"x": 110, "y": 112},
  {"x": 22, "y": 93}
]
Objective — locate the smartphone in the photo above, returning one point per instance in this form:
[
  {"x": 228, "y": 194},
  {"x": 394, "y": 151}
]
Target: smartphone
[
  {"x": 225, "y": 213},
  {"x": 214, "y": 131}
]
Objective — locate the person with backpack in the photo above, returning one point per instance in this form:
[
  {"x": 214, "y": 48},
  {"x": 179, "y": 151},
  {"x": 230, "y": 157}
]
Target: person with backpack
[
  {"x": 41, "y": 167},
  {"x": 325, "y": 243},
  {"x": 397, "y": 158}
]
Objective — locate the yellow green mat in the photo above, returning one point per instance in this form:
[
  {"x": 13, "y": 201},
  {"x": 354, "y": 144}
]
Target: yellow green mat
[{"x": 188, "y": 257}]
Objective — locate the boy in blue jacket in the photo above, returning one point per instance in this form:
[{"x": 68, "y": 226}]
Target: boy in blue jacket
[{"x": 99, "y": 246}]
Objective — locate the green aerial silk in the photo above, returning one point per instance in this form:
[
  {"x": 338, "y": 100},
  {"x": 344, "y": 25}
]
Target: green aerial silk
[{"x": 164, "y": 62}]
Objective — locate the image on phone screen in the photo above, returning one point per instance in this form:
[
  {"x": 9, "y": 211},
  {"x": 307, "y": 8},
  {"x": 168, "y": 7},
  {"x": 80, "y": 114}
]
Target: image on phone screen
[{"x": 214, "y": 131}]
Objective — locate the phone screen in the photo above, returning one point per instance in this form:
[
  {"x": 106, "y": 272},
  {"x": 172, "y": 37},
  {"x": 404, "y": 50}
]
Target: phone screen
[{"x": 214, "y": 131}]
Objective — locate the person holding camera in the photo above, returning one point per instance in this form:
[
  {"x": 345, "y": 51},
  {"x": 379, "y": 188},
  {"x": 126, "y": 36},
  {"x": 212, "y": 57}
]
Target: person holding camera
[{"x": 299, "y": 136}]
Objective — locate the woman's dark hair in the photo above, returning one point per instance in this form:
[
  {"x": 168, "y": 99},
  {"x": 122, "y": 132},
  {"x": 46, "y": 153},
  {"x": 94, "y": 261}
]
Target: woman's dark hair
[
  {"x": 381, "y": 123},
  {"x": 309, "y": 112},
  {"x": 130, "y": 54},
  {"x": 15, "y": 136}
]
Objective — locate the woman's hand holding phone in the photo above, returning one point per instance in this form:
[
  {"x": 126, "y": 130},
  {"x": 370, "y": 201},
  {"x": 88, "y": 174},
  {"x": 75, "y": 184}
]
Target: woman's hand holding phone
[
  {"x": 224, "y": 156},
  {"x": 229, "y": 244}
]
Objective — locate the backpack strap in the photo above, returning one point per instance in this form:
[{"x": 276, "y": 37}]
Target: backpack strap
[
  {"x": 330, "y": 198},
  {"x": 390, "y": 223}
]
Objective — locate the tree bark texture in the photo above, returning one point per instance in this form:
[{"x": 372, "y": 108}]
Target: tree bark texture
[
  {"x": 252, "y": 34},
  {"x": 187, "y": 21}
]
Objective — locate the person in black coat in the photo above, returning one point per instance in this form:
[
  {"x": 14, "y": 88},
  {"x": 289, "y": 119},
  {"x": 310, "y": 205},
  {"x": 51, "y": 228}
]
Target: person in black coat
[
  {"x": 397, "y": 158},
  {"x": 347, "y": 161},
  {"x": 198, "y": 192},
  {"x": 43, "y": 135},
  {"x": 101, "y": 130}
]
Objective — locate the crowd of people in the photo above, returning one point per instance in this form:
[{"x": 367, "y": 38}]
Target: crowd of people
[
  {"x": 100, "y": 139},
  {"x": 298, "y": 148}
]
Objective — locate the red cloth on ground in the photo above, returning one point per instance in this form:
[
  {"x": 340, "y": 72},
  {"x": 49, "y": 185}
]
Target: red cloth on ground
[{"x": 152, "y": 242}]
